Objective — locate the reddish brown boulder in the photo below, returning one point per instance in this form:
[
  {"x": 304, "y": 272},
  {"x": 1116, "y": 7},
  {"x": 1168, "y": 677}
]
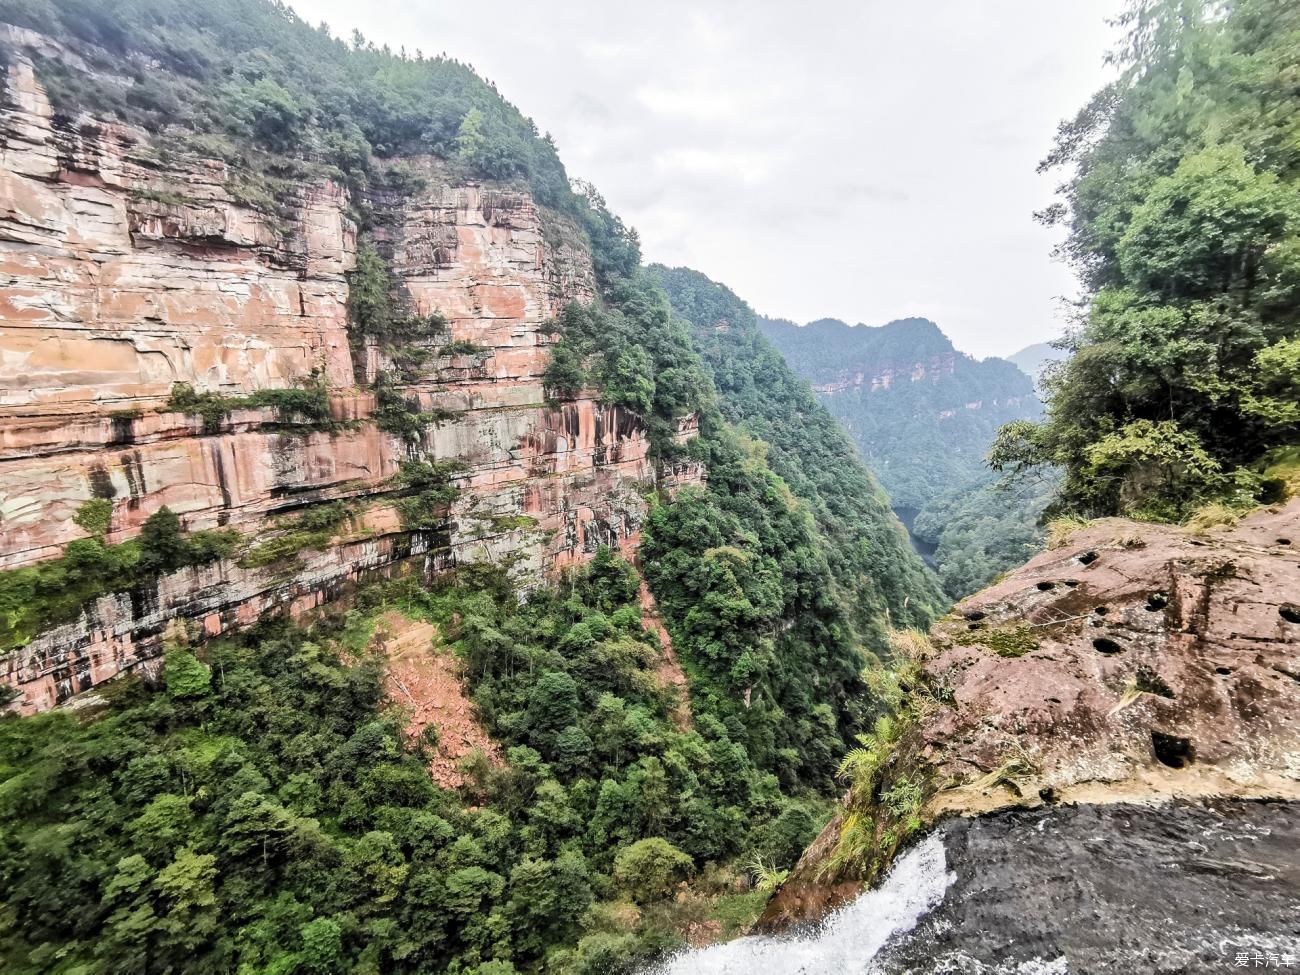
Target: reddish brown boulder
[{"x": 1135, "y": 662}]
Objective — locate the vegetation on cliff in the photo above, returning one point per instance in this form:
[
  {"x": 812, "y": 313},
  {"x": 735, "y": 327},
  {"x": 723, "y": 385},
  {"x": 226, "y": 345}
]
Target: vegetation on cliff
[
  {"x": 771, "y": 588},
  {"x": 38, "y": 597},
  {"x": 260, "y": 79},
  {"x": 254, "y": 807},
  {"x": 921, "y": 436},
  {"x": 876, "y": 576},
  {"x": 1183, "y": 212},
  {"x": 257, "y": 809}
]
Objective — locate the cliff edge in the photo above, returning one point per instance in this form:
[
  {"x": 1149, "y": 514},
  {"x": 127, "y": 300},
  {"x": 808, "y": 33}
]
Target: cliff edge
[{"x": 1131, "y": 663}]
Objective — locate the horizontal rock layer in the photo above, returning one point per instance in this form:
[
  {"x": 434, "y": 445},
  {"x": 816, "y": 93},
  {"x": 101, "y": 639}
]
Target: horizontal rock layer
[{"x": 125, "y": 270}]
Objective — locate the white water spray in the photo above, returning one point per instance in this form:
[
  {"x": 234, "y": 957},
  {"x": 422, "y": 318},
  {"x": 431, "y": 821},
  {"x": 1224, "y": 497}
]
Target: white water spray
[{"x": 846, "y": 941}]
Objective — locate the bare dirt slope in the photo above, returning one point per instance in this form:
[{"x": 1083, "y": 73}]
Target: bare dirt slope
[{"x": 424, "y": 680}]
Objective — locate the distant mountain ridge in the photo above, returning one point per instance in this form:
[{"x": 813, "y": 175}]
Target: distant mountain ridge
[
  {"x": 922, "y": 412},
  {"x": 1033, "y": 359}
]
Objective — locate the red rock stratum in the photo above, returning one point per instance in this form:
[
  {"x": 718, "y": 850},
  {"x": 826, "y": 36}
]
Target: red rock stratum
[{"x": 1135, "y": 662}]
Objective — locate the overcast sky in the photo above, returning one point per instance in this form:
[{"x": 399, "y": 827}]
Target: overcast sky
[{"x": 858, "y": 160}]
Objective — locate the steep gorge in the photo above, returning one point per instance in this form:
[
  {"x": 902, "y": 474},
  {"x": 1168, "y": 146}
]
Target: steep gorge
[{"x": 924, "y": 416}]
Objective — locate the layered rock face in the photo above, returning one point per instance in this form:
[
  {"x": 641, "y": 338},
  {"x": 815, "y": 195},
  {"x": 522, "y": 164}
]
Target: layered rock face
[
  {"x": 1136, "y": 663},
  {"x": 1136, "y": 660},
  {"x": 126, "y": 269}
]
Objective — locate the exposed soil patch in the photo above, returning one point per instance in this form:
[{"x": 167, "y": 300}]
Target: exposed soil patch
[
  {"x": 424, "y": 681},
  {"x": 669, "y": 669}
]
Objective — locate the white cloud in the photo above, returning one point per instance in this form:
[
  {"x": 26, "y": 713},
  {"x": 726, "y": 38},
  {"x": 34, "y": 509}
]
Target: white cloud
[{"x": 850, "y": 158}]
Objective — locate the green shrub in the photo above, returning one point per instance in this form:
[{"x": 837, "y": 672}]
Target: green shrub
[
  {"x": 306, "y": 404},
  {"x": 650, "y": 868},
  {"x": 462, "y": 347},
  {"x": 94, "y": 516}
]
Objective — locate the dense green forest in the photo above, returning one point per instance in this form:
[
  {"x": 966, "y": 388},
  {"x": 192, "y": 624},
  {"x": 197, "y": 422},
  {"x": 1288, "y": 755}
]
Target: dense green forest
[
  {"x": 1182, "y": 206},
  {"x": 927, "y": 438},
  {"x": 250, "y": 82},
  {"x": 761, "y": 395},
  {"x": 919, "y": 436},
  {"x": 982, "y": 528},
  {"x": 255, "y": 808}
]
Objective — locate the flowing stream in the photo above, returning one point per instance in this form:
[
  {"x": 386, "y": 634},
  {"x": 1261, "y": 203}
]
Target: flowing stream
[
  {"x": 847, "y": 940},
  {"x": 1071, "y": 890},
  {"x": 919, "y": 545}
]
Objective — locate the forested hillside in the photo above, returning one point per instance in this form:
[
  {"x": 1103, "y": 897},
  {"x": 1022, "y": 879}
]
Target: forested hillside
[
  {"x": 257, "y": 805},
  {"x": 924, "y": 415},
  {"x": 1183, "y": 210},
  {"x": 760, "y": 394}
]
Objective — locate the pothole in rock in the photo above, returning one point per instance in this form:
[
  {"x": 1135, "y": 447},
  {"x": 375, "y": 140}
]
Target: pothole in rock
[
  {"x": 1106, "y": 645},
  {"x": 1223, "y": 671},
  {"x": 975, "y": 616},
  {"x": 1087, "y": 558},
  {"x": 1171, "y": 750},
  {"x": 975, "y": 626},
  {"x": 1046, "y": 586},
  {"x": 1071, "y": 582},
  {"x": 1102, "y": 610},
  {"x": 1290, "y": 613},
  {"x": 1157, "y": 601},
  {"x": 1284, "y": 541}
]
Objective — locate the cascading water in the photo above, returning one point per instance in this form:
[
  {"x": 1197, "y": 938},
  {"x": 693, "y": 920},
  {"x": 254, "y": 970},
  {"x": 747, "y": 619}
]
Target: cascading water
[
  {"x": 846, "y": 941},
  {"x": 1181, "y": 887}
]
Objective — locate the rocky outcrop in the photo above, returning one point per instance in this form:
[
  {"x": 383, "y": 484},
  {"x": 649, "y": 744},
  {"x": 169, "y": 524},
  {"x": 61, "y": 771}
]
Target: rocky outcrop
[
  {"x": 126, "y": 268},
  {"x": 885, "y": 375},
  {"x": 1135, "y": 663}
]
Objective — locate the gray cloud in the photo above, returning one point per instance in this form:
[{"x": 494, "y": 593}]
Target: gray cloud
[{"x": 863, "y": 160}]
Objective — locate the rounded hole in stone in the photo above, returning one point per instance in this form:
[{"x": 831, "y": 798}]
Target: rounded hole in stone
[
  {"x": 1102, "y": 610},
  {"x": 1171, "y": 750},
  {"x": 975, "y": 626},
  {"x": 1071, "y": 582},
  {"x": 1223, "y": 671},
  {"x": 1046, "y": 586},
  {"x": 975, "y": 616},
  {"x": 1053, "y": 700},
  {"x": 1157, "y": 601},
  {"x": 1087, "y": 558},
  {"x": 1284, "y": 541},
  {"x": 1290, "y": 613},
  {"x": 1107, "y": 646}
]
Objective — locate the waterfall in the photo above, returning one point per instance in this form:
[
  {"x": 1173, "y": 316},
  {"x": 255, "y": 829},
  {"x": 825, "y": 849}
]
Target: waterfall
[{"x": 846, "y": 941}]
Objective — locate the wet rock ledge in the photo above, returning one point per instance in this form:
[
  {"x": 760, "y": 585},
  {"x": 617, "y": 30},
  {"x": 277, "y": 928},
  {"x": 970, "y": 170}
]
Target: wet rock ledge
[{"x": 1133, "y": 663}]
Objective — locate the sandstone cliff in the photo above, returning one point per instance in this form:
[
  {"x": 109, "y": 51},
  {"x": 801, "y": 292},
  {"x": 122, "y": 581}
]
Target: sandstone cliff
[
  {"x": 1136, "y": 662},
  {"x": 129, "y": 267}
]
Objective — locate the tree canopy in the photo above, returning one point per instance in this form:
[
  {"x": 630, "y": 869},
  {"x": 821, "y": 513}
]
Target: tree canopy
[{"x": 1182, "y": 207}]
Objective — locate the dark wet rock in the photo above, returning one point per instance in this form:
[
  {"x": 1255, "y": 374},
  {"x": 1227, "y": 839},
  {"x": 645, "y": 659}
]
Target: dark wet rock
[{"x": 1177, "y": 888}]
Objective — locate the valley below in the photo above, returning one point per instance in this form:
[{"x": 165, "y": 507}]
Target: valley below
[{"x": 925, "y": 549}]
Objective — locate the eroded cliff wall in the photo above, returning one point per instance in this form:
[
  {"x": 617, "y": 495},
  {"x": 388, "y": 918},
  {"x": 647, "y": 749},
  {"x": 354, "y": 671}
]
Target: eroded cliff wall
[{"x": 127, "y": 267}]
